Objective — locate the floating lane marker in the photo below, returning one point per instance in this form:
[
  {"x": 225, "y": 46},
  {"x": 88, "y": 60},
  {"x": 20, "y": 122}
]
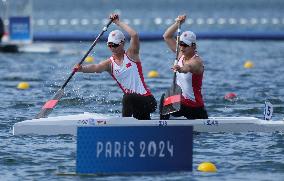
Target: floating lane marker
[
  {"x": 210, "y": 21},
  {"x": 153, "y": 74},
  {"x": 105, "y": 21},
  {"x": 254, "y": 21},
  {"x": 85, "y": 22},
  {"x": 200, "y": 21},
  {"x": 169, "y": 21},
  {"x": 63, "y": 22},
  {"x": 23, "y": 85},
  {"x": 158, "y": 21},
  {"x": 126, "y": 21},
  {"x": 137, "y": 21},
  {"x": 207, "y": 167},
  {"x": 243, "y": 21},
  {"x": 248, "y": 64},
  {"x": 161, "y": 21},
  {"x": 189, "y": 21},
  {"x": 95, "y": 21},
  {"x": 232, "y": 21},
  {"x": 41, "y": 22},
  {"x": 221, "y": 21},
  {"x": 263, "y": 21},
  {"x": 74, "y": 22},
  {"x": 230, "y": 96},
  {"x": 275, "y": 21},
  {"x": 89, "y": 59},
  {"x": 52, "y": 22}
]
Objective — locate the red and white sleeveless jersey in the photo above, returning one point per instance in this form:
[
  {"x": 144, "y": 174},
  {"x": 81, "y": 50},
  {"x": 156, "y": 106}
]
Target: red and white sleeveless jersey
[
  {"x": 191, "y": 85},
  {"x": 129, "y": 76}
]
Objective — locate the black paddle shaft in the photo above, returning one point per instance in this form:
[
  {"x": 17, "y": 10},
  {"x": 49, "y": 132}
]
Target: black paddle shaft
[
  {"x": 177, "y": 54},
  {"x": 87, "y": 53},
  {"x": 173, "y": 94}
]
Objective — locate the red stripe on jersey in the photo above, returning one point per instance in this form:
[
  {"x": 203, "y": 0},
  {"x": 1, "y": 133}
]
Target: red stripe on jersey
[{"x": 139, "y": 67}]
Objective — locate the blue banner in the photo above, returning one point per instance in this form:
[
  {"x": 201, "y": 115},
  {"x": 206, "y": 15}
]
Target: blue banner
[
  {"x": 135, "y": 149},
  {"x": 20, "y": 29}
]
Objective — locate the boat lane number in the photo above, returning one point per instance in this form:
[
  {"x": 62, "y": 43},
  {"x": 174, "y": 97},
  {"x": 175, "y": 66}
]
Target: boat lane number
[
  {"x": 210, "y": 122},
  {"x": 130, "y": 149},
  {"x": 163, "y": 123}
]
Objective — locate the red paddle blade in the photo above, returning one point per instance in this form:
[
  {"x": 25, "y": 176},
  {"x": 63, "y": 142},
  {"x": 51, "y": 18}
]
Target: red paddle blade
[
  {"x": 49, "y": 105},
  {"x": 172, "y": 100}
]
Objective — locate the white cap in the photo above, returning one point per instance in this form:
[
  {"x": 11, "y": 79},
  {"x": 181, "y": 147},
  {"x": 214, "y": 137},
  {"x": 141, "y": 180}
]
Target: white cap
[
  {"x": 116, "y": 37},
  {"x": 188, "y": 37}
]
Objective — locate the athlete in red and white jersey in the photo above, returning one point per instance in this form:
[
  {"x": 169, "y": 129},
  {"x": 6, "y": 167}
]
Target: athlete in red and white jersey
[
  {"x": 191, "y": 85},
  {"x": 190, "y": 70},
  {"x": 125, "y": 67}
]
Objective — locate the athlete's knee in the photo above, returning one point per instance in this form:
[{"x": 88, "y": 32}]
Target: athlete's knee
[
  {"x": 126, "y": 99},
  {"x": 127, "y": 106},
  {"x": 127, "y": 112}
]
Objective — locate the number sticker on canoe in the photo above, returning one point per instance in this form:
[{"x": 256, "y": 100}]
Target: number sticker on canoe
[
  {"x": 163, "y": 123},
  {"x": 211, "y": 122}
]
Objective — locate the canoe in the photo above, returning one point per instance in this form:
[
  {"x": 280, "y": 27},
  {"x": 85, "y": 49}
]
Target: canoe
[{"x": 68, "y": 124}]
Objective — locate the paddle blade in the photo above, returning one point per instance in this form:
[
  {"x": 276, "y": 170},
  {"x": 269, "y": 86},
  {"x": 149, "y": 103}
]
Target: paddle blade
[
  {"x": 172, "y": 100},
  {"x": 49, "y": 105}
]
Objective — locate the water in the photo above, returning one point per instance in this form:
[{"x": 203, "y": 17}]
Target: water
[{"x": 246, "y": 156}]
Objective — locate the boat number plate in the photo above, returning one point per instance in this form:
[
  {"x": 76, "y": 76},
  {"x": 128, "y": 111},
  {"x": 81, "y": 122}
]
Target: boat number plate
[
  {"x": 211, "y": 122},
  {"x": 163, "y": 123}
]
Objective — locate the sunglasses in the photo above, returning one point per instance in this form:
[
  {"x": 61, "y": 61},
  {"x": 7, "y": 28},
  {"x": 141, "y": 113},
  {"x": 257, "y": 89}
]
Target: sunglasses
[
  {"x": 112, "y": 45},
  {"x": 183, "y": 44}
]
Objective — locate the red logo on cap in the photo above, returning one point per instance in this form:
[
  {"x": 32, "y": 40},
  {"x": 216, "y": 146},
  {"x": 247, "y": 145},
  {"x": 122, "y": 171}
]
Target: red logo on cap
[
  {"x": 185, "y": 35},
  {"x": 113, "y": 34}
]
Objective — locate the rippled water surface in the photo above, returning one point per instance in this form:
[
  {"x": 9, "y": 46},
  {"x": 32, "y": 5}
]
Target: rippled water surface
[{"x": 243, "y": 156}]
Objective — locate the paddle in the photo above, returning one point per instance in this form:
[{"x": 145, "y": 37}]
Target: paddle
[
  {"x": 49, "y": 105},
  {"x": 171, "y": 100}
]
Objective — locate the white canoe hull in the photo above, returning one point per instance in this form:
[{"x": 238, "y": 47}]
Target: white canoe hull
[{"x": 68, "y": 124}]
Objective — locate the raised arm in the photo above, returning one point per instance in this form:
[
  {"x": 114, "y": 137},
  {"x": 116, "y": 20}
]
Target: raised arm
[
  {"x": 169, "y": 33},
  {"x": 133, "y": 50}
]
